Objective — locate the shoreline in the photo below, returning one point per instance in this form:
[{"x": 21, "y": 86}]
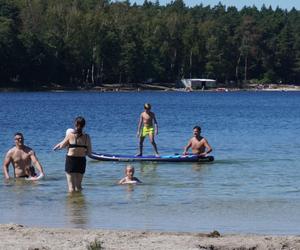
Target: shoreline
[
  {"x": 14, "y": 236},
  {"x": 148, "y": 87}
]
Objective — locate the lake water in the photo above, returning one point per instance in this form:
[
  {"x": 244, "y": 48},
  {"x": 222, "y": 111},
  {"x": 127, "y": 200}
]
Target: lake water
[{"x": 252, "y": 187}]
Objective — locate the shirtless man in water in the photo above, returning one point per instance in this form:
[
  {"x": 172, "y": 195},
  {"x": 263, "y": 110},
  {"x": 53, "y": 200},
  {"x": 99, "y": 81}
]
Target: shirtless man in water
[
  {"x": 199, "y": 144},
  {"x": 22, "y": 158},
  {"x": 147, "y": 119}
]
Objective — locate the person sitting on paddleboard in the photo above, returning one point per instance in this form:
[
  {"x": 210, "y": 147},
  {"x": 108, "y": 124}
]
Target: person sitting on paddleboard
[
  {"x": 147, "y": 119},
  {"x": 199, "y": 144},
  {"x": 129, "y": 178},
  {"x": 21, "y": 157}
]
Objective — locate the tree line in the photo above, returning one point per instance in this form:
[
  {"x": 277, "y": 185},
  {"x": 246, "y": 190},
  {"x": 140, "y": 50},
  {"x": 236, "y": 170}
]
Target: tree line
[{"x": 94, "y": 42}]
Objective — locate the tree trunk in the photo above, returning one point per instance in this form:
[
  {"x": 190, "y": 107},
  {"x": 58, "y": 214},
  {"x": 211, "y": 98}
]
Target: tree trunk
[
  {"x": 87, "y": 77},
  {"x": 92, "y": 74},
  {"x": 101, "y": 72},
  {"x": 237, "y": 68},
  {"x": 120, "y": 77},
  {"x": 191, "y": 63},
  {"x": 246, "y": 67}
]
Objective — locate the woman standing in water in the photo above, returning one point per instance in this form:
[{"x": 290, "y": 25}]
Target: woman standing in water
[{"x": 79, "y": 145}]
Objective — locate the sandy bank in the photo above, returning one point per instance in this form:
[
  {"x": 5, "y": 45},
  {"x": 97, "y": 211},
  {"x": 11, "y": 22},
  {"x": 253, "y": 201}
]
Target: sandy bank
[{"x": 14, "y": 236}]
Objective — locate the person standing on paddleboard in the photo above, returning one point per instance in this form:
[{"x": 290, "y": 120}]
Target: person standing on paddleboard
[
  {"x": 150, "y": 128},
  {"x": 79, "y": 146}
]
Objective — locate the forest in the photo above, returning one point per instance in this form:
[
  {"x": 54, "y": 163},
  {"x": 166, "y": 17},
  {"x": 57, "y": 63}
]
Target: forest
[{"x": 88, "y": 43}]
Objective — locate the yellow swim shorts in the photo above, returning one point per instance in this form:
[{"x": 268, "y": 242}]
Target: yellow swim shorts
[{"x": 147, "y": 130}]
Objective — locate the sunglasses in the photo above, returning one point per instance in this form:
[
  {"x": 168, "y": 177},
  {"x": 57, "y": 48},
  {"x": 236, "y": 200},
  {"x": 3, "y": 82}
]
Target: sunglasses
[{"x": 19, "y": 139}]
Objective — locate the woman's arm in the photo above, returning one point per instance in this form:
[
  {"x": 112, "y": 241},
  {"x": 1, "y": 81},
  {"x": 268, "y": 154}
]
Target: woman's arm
[{"x": 63, "y": 143}]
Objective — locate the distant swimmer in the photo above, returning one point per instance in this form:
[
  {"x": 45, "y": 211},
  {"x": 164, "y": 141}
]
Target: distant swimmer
[
  {"x": 129, "y": 176},
  {"x": 22, "y": 157},
  {"x": 79, "y": 145},
  {"x": 199, "y": 144},
  {"x": 150, "y": 128}
]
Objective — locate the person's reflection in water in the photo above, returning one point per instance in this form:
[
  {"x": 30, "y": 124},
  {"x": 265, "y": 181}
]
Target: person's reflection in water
[
  {"x": 77, "y": 210},
  {"x": 19, "y": 185},
  {"x": 197, "y": 166},
  {"x": 129, "y": 189},
  {"x": 148, "y": 168},
  {"x": 151, "y": 177}
]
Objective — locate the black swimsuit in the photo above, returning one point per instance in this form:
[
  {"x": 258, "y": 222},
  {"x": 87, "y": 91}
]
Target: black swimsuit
[{"x": 76, "y": 164}]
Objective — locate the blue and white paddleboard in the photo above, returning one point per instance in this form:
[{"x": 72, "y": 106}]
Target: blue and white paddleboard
[{"x": 163, "y": 158}]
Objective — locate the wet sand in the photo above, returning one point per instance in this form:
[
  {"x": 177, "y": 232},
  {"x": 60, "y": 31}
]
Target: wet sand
[{"x": 13, "y": 236}]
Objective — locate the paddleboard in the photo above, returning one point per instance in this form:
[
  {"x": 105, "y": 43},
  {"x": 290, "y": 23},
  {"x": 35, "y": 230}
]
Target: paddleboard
[{"x": 163, "y": 158}]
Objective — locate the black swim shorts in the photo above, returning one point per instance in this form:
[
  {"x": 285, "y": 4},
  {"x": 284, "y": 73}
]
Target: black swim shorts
[{"x": 75, "y": 164}]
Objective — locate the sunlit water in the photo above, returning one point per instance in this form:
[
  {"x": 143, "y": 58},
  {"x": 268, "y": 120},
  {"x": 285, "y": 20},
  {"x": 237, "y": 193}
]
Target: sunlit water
[{"x": 252, "y": 187}]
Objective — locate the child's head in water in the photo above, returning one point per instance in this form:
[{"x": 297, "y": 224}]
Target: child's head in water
[
  {"x": 129, "y": 171},
  {"x": 129, "y": 176}
]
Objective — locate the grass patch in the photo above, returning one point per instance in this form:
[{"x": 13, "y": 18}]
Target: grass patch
[{"x": 95, "y": 245}]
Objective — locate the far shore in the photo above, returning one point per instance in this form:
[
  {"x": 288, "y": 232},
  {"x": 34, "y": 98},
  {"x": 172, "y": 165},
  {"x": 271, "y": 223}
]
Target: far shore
[
  {"x": 15, "y": 236},
  {"x": 152, "y": 87}
]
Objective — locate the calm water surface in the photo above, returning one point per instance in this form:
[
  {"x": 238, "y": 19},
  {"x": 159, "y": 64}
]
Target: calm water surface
[{"x": 252, "y": 187}]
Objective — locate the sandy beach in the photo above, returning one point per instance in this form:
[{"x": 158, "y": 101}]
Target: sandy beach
[{"x": 13, "y": 236}]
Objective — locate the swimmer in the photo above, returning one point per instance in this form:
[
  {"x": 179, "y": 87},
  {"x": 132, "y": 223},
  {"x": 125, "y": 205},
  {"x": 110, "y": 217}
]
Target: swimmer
[
  {"x": 22, "y": 158},
  {"x": 129, "y": 178}
]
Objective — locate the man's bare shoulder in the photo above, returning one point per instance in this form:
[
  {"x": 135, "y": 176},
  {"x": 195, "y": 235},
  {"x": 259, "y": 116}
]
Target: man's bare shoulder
[
  {"x": 203, "y": 139},
  {"x": 11, "y": 151},
  {"x": 28, "y": 150}
]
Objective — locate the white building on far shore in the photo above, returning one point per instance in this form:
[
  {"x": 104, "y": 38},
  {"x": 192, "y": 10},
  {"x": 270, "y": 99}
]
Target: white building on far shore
[{"x": 198, "y": 83}]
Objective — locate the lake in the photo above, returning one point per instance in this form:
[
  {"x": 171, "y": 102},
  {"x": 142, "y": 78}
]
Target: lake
[{"x": 253, "y": 186}]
